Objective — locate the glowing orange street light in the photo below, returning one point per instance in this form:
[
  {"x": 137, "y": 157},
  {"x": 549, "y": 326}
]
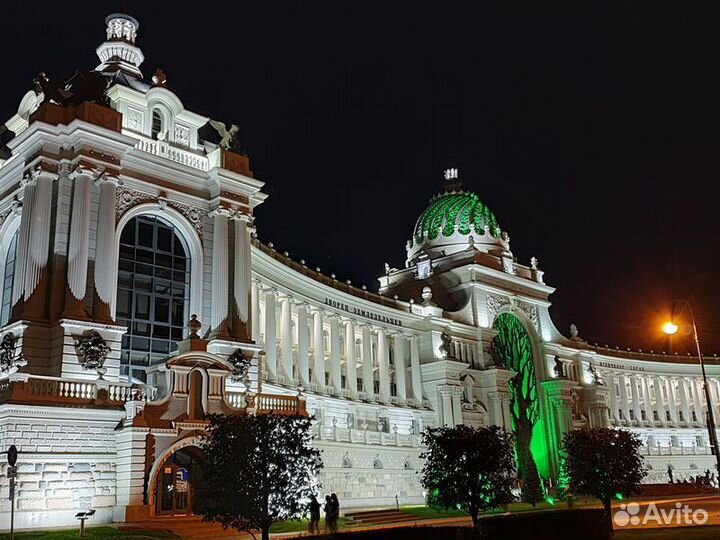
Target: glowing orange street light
[{"x": 670, "y": 328}]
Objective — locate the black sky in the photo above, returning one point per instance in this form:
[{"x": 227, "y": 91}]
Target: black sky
[{"x": 592, "y": 132}]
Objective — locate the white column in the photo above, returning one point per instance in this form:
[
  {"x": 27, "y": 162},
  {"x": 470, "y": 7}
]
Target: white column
[
  {"x": 77, "y": 257},
  {"x": 659, "y": 400},
  {"x": 400, "y": 366},
  {"x": 105, "y": 248},
  {"x": 39, "y": 241},
  {"x": 286, "y": 338},
  {"x": 698, "y": 393},
  {"x": 383, "y": 365},
  {"x": 270, "y": 335},
  {"x": 318, "y": 351},
  {"x": 415, "y": 374},
  {"x": 241, "y": 283},
  {"x": 335, "y": 367},
  {"x": 446, "y": 406},
  {"x": 646, "y": 399},
  {"x": 219, "y": 305},
  {"x": 611, "y": 384},
  {"x": 255, "y": 317},
  {"x": 350, "y": 360},
  {"x": 625, "y": 406},
  {"x": 715, "y": 396},
  {"x": 367, "y": 363},
  {"x": 672, "y": 400},
  {"x": 635, "y": 398},
  {"x": 303, "y": 338},
  {"x": 684, "y": 402},
  {"x": 23, "y": 243},
  {"x": 457, "y": 405}
]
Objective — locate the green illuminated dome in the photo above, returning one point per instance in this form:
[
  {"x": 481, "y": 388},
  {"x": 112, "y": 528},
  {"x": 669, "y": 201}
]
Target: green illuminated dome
[
  {"x": 455, "y": 220},
  {"x": 451, "y": 212}
]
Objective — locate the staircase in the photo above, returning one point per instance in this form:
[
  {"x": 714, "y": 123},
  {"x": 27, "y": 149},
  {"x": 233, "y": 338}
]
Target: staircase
[
  {"x": 380, "y": 517},
  {"x": 187, "y": 527}
]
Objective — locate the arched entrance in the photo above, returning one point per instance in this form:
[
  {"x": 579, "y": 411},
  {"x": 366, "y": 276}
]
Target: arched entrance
[{"x": 180, "y": 485}]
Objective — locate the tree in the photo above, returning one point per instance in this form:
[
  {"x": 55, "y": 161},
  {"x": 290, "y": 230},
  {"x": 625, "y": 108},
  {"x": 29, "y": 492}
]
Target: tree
[
  {"x": 468, "y": 468},
  {"x": 601, "y": 462},
  {"x": 512, "y": 349},
  {"x": 260, "y": 470}
]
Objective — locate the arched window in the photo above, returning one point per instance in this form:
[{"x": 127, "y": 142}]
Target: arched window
[
  {"x": 153, "y": 292},
  {"x": 157, "y": 123},
  {"x": 8, "y": 277}
]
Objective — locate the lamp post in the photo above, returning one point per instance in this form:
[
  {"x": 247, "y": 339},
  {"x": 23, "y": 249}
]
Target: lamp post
[{"x": 671, "y": 328}]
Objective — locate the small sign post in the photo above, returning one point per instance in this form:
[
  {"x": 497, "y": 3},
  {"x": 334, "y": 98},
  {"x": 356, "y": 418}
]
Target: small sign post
[{"x": 12, "y": 455}]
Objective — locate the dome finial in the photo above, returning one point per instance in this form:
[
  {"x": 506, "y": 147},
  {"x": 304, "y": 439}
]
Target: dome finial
[{"x": 451, "y": 177}]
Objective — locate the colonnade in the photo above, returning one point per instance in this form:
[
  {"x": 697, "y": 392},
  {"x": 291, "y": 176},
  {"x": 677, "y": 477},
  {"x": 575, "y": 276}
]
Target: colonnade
[
  {"x": 333, "y": 353},
  {"x": 671, "y": 401}
]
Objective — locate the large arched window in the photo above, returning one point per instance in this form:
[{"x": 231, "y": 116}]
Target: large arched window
[
  {"x": 8, "y": 277},
  {"x": 153, "y": 292}
]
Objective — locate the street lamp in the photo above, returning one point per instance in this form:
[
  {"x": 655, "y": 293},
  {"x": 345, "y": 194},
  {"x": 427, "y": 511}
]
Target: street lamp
[{"x": 671, "y": 328}]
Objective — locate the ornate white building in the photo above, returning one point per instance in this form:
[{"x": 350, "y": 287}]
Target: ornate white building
[{"x": 136, "y": 300}]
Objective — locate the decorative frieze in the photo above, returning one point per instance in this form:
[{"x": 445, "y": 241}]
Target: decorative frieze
[{"x": 127, "y": 198}]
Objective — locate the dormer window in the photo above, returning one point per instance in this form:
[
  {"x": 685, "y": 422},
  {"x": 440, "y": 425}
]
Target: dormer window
[{"x": 157, "y": 124}]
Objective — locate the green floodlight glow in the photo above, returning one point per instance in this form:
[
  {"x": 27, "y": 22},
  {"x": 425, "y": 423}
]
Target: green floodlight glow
[
  {"x": 550, "y": 501},
  {"x": 619, "y": 496}
]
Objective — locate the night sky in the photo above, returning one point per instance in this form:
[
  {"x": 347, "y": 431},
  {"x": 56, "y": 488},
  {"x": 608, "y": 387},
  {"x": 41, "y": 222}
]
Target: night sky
[{"x": 592, "y": 133}]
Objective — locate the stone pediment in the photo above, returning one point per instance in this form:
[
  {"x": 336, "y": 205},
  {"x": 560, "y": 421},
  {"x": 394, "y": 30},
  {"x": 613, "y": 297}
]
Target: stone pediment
[{"x": 203, "y": 360}]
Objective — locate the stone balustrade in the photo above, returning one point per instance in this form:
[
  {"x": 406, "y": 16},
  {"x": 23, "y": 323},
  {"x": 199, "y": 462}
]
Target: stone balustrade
[
  {"x": 276, "y": 404},
  {"x": 675, "y": 451},
  {"x": 178, "y": 155},
  {"x": 21, "y": 388},
  {"x": 360, "y": 436}
]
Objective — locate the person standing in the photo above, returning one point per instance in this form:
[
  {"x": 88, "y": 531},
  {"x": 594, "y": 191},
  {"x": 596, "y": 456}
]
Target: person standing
[
  {"x": 328, "y": 513},
  {"x": 314, "y": 507},
  {"x": 335, "y": 513}
]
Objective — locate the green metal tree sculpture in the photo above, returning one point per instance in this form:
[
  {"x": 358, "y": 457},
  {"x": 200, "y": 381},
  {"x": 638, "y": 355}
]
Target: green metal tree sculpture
[{"x": 513, "y": 349}]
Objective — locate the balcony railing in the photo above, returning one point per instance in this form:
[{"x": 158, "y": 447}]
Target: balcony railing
[
  {"x": 20, "y": 389},
  {"x": 276, "y": 404},
  {"x": 173, "y": 153},
  {"x": 360, "y": 436},
  {"x": 675, "y": 450}
]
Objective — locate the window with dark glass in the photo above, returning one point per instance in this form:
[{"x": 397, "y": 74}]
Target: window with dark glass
[
  {"x": 153, "y": 292},
  {"x": 8, "y": 276},
  {"x": 157, "y": 123}
]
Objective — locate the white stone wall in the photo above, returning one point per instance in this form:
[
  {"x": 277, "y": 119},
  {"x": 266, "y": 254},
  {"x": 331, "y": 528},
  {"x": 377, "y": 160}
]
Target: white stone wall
[
  {"x": 362, "y": 485},
  {"x": 66, "y": 463}
]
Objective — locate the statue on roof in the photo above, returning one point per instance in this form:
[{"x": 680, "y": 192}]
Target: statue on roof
[
  {"x": 228, "y": 139},
  {"x": 83, "y": 86}
]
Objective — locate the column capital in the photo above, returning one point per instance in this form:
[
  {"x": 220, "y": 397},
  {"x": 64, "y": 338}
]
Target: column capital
[
  {"x": 32, "y": 175},
  {"x": 220, "y": 211}
]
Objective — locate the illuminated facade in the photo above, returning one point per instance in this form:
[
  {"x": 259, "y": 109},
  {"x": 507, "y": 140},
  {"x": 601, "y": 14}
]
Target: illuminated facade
[{"x": 137, "y": 299}]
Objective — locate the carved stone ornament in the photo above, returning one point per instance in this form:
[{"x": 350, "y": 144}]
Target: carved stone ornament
[
  {"x": 93, "y": 351},
  {"x": 495, "y": 304},
  {"x": 10, "y": 361},
  {"x": 126, "y": 198},
  {"x": 241, "y": 366},
  {"x": 445, "y": 345}
]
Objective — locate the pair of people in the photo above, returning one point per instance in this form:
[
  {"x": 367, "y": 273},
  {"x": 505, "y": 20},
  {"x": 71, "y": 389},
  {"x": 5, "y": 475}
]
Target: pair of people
[{"x": 332, "y": 512}]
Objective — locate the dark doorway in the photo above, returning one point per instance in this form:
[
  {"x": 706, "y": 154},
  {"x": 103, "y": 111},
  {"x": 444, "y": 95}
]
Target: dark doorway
[{"x": 180, "y": 483}]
